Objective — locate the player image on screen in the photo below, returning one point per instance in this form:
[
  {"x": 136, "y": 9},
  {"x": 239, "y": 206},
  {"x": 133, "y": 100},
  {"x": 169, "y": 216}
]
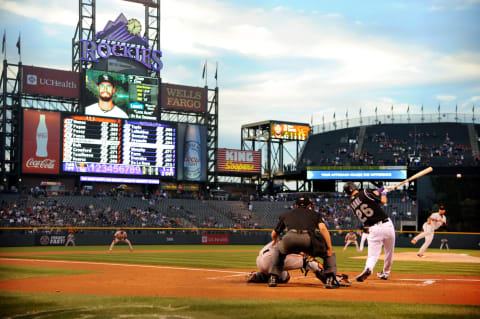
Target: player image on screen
[
  {"x": 109, "y": 94},
  {"x": 105, "y": 106}
]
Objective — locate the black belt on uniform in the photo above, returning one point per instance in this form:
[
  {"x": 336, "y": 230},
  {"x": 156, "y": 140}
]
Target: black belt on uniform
[
  {"x": 303, "y": 231},
  {"x": 383, "y": 221}
]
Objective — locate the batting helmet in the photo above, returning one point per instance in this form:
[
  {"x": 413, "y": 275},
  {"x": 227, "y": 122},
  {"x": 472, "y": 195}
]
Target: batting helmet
[
  {"x": 303, "y": 201},
  {"x": 349, "y": 188}
]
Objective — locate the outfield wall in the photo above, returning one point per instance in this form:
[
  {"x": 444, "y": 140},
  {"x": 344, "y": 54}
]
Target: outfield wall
[{"x": 58, "y": 237}]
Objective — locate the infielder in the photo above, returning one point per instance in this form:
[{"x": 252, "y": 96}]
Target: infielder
[
  {"x": 444, "y": 243},
  {"x": 350, "y": 238},
  {"x": 292, "y": 261},
  {"x": 70, "y": 239},
  {"x": 365, "y": 203},
  {"x": 433, "y": 223},
  {"x": 120, "y": 235}
]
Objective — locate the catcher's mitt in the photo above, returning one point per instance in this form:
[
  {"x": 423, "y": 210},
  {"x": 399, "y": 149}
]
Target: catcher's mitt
[{"x": 306, "y": 260}]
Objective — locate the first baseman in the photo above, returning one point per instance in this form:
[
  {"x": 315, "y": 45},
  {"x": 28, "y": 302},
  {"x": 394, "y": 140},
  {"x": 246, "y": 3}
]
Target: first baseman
[
  {"x": 120, "y": 235},
  {"x": 365, "y": 203},
  {"x": 433, "y": 223}
]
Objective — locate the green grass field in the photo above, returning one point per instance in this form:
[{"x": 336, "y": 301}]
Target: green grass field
[{"x": 47, "y": 305}]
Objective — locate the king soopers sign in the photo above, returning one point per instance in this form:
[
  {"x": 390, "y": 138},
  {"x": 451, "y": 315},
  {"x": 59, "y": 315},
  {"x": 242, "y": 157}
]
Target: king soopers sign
[{"x": 121, "y": 38}]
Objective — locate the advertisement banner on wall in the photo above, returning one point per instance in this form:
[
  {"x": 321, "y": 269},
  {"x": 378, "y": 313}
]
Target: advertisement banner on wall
[
  {"x": 41, "y": 142},
  {"x": 239, "y": 161},
  {"x": 50, "y": 82},
  {"x": 53, "y": 240},
  {"x": 191, "y": 152},
  {"x": 183, "y": 98},
  {"x": 215, "y": 239}
]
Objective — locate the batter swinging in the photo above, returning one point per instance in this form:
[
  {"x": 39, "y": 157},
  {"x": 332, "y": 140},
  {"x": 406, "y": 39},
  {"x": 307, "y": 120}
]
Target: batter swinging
[{"x": 365, "y": 204}]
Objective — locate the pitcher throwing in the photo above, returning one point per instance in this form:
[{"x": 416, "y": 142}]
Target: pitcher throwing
[{"x": 435, "y": 221}]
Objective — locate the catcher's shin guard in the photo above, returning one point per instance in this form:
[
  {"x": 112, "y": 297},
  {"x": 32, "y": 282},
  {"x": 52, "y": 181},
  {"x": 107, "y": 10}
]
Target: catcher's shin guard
[
  {"x": 320, "y": 274},
  {"x": 330, "y": 263}
]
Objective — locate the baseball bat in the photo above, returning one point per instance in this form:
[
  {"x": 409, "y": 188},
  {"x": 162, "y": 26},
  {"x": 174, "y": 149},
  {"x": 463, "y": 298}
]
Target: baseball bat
[{"x": 413, "y": 177}]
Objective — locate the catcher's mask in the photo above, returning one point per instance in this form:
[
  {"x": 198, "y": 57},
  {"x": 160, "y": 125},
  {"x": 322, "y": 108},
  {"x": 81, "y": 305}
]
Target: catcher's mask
[
  {"x": 303, "y": 202},
  {"x": 349, "y": 188}
]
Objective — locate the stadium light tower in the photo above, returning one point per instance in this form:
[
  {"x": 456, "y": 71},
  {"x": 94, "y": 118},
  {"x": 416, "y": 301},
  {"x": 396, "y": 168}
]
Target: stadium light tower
[{"x": 270, "y": 137}]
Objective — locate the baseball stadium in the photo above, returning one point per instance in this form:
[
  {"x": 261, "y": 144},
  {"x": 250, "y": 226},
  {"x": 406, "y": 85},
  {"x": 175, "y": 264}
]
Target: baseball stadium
[{"x": 118, "y": 201}]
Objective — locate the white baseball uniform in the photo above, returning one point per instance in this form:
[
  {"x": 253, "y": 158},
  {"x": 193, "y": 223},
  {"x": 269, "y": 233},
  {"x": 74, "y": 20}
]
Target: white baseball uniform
[
  {"x": 350, "y": 239},
  {"x": 362, "y": 240},
  {"x": 120, "y": 235},
  {"x": 433, "y": 223}
]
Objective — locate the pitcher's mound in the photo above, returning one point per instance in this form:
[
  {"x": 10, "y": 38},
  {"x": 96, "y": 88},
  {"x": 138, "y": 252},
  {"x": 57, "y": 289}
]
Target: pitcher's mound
[{"x": 439, "y": 257}]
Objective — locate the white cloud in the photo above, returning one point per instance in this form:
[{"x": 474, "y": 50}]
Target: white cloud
[
  {"x": 49, "y": 12},
  {"x": 436, "y": 8},
  {"x": 446, "y": 98},
  {"x": 344, "y": 62}
]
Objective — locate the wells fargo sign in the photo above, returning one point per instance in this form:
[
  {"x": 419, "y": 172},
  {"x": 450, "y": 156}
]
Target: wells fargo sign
[
  {"x": 184, "y": 98},
  {"x": 239, "y": 161}
]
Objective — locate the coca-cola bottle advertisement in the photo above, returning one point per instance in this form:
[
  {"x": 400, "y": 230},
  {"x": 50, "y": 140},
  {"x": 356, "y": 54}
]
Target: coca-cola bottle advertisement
[{"x": 41, "y": 142}]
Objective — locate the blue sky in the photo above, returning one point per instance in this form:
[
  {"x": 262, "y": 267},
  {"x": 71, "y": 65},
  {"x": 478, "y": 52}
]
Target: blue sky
[{"x": 288, "y": 60}]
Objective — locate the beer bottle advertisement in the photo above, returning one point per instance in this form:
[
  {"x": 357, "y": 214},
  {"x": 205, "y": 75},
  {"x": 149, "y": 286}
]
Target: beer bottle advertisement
[
  {"x": 193, "y": 164},
  {"x": 41, "y": 142}
]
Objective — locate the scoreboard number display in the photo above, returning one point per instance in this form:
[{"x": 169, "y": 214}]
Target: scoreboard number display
[{"x": 113, "y": 146}]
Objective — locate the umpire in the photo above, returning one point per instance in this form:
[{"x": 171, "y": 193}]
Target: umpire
[{"x": 301, "y": 224}]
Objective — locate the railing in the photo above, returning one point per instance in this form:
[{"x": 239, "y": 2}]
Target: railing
[{"x": 397, "y": 119}]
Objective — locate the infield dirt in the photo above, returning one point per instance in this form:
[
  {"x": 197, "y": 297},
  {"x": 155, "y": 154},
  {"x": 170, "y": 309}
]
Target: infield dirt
[{"x": 148, "y": 280}]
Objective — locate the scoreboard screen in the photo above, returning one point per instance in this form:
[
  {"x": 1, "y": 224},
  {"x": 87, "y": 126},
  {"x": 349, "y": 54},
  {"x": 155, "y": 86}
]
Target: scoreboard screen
[
  {"x": 113, "y": 146},
  {"x": 131, "y": 96}
]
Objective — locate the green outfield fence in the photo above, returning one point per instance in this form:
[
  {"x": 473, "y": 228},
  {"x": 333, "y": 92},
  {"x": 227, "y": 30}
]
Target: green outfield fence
[{"x": 56, "y": 236}]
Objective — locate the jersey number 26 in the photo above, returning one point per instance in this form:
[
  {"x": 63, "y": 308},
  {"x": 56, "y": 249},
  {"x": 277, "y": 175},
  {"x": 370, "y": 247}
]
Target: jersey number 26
[{"x": 363, "y": 212}]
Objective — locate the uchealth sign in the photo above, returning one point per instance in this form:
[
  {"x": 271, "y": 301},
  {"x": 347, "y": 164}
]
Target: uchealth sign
[
  {"x": 50, "y": 82},
  {"x": 41, "y": 142},
  {"x": 184, "y": 98},
  {"x": 239, "y": 161}
]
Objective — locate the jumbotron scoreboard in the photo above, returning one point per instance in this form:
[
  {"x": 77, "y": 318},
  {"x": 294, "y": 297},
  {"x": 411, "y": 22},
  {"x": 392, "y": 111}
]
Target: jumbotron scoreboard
[{"x": 113, "y": 146}]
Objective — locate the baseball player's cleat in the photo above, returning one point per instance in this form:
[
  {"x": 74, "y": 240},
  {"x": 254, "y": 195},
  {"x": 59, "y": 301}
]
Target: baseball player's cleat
[
  {"x": 413, "y": 241},
  {"x": 383, "y": 276},
  {"x": 421, "y": 255},
  {"x": 343, "y": 278},
  {"x": 272, "y": 281},
  {"x": 331, "y": 282},
  {"x": 251, "y": 276},
  {"x": 364, "y": 275},
  {"x": 320, "y": 274}
]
